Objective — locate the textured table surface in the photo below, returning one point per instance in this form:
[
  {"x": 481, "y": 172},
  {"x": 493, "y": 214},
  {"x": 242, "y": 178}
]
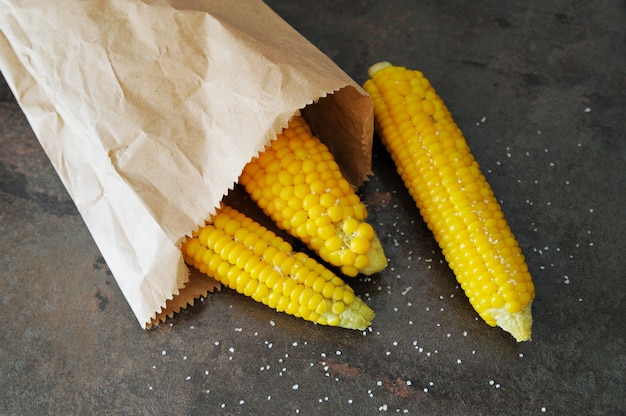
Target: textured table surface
[{"x": 539, "y": 89}]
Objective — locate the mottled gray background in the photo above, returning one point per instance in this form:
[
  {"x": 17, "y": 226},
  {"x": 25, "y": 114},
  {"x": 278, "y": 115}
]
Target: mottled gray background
[{"x": 539, "y": 89}]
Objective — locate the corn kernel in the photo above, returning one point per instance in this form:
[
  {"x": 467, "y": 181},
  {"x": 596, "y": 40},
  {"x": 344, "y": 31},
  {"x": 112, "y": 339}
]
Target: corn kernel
[
  {"x": 338, "y": 307},
  {"x": 328, "y": 290},
  {"x": 359, "y": 245}
]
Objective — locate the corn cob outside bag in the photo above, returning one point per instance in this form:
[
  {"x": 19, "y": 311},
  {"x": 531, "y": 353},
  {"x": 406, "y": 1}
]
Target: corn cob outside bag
[{"x": 453, "y": 196}]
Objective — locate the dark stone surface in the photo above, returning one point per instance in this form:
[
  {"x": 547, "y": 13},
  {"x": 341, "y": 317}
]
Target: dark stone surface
[{"x": 539, "y": 89}]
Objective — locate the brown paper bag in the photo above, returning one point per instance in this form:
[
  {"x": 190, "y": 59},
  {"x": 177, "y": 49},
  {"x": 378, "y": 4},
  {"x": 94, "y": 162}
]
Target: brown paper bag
[{"x": 149, "y": 111}]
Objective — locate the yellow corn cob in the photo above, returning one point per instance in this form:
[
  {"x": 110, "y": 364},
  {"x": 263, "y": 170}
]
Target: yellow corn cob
[
  {"x": 297, "y": 183},
  {"x": 453, "y": 196},
  {"x": 247, "y": 257}
]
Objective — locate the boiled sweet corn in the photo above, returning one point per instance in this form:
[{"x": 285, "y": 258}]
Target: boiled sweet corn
[
  {"x": 453, "y": 196},
  {"x": 247, "y": 257},
  {"x": 297, "y": 182}
]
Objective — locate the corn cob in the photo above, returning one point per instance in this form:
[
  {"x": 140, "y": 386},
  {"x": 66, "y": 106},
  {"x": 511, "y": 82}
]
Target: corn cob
[
  {"x": 453, "y": 196},
  {"x": 297, "y": 183},
  {"x": 247, "y": 257}
]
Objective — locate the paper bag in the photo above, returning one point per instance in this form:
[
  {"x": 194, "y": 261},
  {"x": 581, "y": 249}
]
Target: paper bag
[{"x": 149, "y": 111}]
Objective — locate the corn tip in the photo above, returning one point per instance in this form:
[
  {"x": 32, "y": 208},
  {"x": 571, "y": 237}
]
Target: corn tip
[
  {"x": 377, "y": 67},
  {"x": 377, "y": 260},
  {"x": 517, "y": 324},
  {"x": 357, "y": 315}
]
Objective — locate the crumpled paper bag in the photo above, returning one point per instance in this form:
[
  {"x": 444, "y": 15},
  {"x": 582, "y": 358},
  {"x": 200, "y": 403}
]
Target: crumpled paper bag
[{"x": 149, "y": 110}]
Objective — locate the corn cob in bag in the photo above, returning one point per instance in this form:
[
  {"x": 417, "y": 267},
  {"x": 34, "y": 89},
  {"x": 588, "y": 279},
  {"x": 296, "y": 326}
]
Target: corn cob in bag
[
  {"x": 453, "y": 196},
  {"x": 247, "y": 257},
  {"x": 297, "y": 182}
]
